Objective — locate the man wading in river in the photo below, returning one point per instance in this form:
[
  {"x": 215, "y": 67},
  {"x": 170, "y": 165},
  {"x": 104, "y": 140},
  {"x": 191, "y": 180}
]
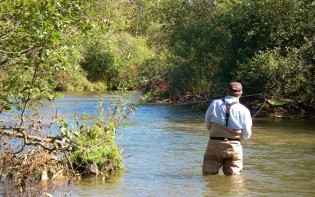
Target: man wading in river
[{"x": 228, "y": 122}]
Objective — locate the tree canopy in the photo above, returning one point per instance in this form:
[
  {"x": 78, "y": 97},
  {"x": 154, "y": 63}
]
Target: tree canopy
[{"x": 165, "y": 47}]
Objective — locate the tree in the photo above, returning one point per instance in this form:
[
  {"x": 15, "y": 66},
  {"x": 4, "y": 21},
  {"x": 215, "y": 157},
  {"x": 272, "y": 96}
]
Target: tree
[
  {"x": 39, "y": 41},
  {"x": 272, "y": 44}
]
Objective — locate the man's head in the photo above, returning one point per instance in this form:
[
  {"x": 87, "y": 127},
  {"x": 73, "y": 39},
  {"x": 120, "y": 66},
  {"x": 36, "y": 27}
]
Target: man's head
[{"x": 235, "y": 89}]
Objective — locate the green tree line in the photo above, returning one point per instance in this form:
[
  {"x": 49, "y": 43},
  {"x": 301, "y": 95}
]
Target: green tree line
[
  {"x": 167, "y": 48},
  {"x": 174, "y": 48},
  {"x": 268, "y": 45}
]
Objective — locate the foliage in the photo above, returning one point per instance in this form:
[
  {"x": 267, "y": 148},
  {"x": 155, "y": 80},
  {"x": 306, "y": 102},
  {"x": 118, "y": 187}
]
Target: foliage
[
  {"x": 212, "y": 43},
  {"x": 278, "y": 76},
  {"x": 36, "y": 45},
  {"x": 153, "y": 74},
  {"x": 94, "y": 148},
  {"x": 117, "y": 61},
  {"x": 130, "y": 55},
  {"x": 97, "y": 62},
  {"x": 269, "y": 40},
  {"x": 147, "y": 24},
  {"x": 77, "y": 81},
  {"x": 72, "y": 150},
  {"x": 114, "y": 56},
  {"x": 114, "y": 16},
  {"x": 40, "y": 46},
  {"x": 262, "y": 25},
  {"x": 193, "y": 34},
  {"x": 190, "y": 47}
]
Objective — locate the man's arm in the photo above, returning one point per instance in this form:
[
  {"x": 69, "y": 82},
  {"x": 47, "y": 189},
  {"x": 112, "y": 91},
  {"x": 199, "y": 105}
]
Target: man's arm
[
  {"x": 247, "y": 126},
  {"x": 208, "y": 115}
]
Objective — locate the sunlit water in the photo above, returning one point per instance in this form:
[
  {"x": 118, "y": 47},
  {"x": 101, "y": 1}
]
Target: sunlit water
[{"x": 163, "y": 148}]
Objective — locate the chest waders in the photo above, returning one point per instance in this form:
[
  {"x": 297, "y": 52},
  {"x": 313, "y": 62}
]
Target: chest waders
[{"x": 227, "y": 111}]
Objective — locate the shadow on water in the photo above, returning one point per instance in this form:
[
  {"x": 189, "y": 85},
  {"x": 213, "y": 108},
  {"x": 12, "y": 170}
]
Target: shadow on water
[{"x": 164, "y": 147}]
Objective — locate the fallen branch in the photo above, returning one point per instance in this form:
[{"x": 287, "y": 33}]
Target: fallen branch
[{"x": 48, "y": 143}]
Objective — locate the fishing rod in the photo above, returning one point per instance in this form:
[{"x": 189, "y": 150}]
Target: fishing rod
[{"x": 249, "y": 95}]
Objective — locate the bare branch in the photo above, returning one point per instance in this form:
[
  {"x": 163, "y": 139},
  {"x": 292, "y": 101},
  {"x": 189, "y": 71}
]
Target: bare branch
[{"x": 49, "y": 143}]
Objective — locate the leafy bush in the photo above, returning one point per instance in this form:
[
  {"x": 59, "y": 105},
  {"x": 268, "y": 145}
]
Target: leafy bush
[
  {"x": 94, "y": 148},
  {"x": 278, "y": 76},
  {"x": 116, "y": 61},
  {"x": 95, "y": 151}
]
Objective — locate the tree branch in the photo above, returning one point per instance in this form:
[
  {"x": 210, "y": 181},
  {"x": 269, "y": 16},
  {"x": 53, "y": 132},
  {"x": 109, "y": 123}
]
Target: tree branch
[{"x": 49, "y": 143}]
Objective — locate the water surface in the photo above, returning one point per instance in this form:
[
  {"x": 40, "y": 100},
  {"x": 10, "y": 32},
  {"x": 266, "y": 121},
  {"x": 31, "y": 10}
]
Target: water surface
[{"x": 164, "y": 147}]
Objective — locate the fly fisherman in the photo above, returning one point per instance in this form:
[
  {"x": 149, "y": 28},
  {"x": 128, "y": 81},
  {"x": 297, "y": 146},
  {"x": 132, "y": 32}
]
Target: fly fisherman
[{"x": 229, "y": 122}]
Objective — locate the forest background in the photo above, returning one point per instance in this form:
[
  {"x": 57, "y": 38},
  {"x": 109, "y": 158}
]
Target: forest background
[{"x": 168, "y": 49}]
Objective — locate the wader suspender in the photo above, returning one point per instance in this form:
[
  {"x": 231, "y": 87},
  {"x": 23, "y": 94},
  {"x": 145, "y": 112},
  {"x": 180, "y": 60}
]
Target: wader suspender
[{"x": 227, "y": 112}]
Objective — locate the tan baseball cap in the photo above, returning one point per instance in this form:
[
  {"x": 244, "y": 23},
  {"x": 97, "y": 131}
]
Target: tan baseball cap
[{"x": 235, "y": 86}]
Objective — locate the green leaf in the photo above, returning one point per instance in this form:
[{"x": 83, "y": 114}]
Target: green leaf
[{"x": 7, "y": 108}]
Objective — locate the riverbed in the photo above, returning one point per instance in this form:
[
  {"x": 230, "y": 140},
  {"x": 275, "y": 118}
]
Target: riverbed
[{"x": 163, "y": 146}]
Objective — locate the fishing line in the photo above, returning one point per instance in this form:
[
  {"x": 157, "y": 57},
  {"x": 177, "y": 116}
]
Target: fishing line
[
  {"x": 249, "y": 95},
  {"x": 262, "y": 106}
]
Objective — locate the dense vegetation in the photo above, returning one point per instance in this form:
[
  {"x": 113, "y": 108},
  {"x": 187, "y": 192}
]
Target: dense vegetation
[
  {"x": 268, "y": 45},
  {"x": 169, "y": 49},
  {"x": 173, "y": 49},
  {"x": 42, "y": 43}
]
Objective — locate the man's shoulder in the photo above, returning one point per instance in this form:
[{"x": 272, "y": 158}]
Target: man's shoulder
[
  {"x": 243, "y": 108},
  {"x": 216, "y": 101}
]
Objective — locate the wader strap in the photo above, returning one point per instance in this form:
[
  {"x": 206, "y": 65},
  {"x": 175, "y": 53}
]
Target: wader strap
[{"x": 227, "y": 111}]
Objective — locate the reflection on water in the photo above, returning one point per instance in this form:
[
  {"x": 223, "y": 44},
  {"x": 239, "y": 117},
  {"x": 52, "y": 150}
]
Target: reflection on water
[
  {"x": 166, "y": 146},
  {"x": 225, "y": 186}
]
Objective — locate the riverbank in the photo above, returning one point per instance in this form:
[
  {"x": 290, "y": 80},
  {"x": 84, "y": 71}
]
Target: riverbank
[{"x": 262, "y": 107}]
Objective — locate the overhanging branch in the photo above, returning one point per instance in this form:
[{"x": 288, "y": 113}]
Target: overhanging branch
[{"x": 48, "y": 143}]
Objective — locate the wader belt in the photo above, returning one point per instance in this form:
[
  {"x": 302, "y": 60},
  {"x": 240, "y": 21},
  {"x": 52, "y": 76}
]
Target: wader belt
[
  {"x": 223, "y": 139},
  {"x": 227, "y": 111}
]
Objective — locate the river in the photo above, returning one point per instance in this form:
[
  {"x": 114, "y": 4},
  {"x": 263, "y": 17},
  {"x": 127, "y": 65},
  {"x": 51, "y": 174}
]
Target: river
[{"x": 163, "y": 146}]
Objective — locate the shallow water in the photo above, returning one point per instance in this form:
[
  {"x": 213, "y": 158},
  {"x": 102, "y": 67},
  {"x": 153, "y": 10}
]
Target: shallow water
[{"x": 164, "y": 147}]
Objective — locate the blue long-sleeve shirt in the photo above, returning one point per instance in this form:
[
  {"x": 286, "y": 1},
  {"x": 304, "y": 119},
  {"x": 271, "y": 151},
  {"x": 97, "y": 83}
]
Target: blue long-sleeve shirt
[{"x": 239, "y": 119}]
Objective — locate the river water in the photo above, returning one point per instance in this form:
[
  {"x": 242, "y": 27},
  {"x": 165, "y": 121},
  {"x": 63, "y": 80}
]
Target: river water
[{"x": 163, "y": 146}]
